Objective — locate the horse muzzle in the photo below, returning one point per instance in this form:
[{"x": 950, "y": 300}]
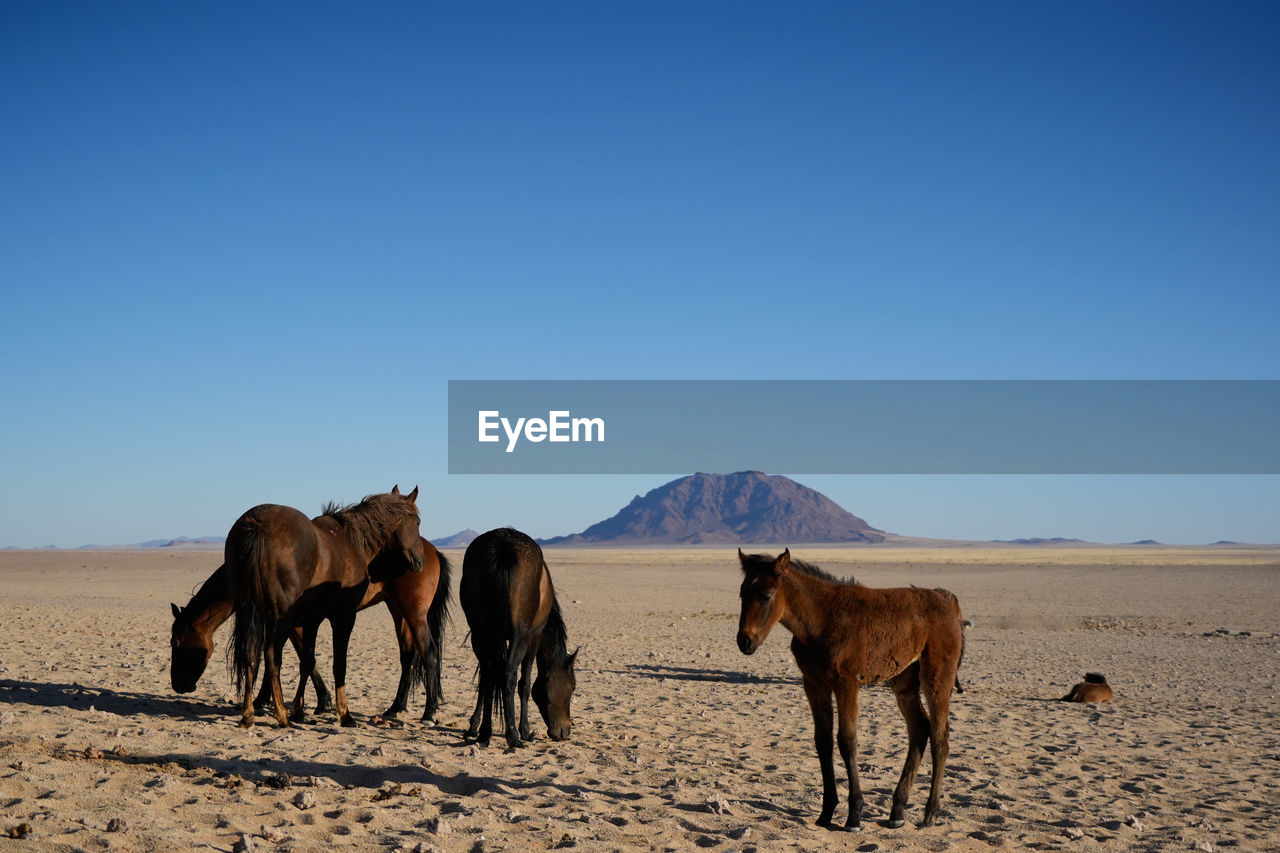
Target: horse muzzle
[
  {"x": 745, "y": 644},
  {"x": 558, "y": 733}
]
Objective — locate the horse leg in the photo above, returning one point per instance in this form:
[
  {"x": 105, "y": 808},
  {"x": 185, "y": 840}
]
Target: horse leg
[
  {"x": 405, "y": 640},
  {"x": 937, "y": 695},
  {"x": 526, "y": 687},
  {"x": 306, "y": 649},
  {"x": 272, "y": 675},
  {"x": 264, "y": 692},
  {"x": 246, "y": 704},
  {"x": 847, "y": 738},
  {"x": 511, "y": 667},
  {"x": 906, "y": 688},
  {"x": 482, "y": 699},
  {"x": 342, "y": 624},
  {"x": 820, "y": 704}
]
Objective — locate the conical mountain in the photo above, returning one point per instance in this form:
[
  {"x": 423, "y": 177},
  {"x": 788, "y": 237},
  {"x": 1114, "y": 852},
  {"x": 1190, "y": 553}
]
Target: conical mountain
[{"x": 746, "y": 507}]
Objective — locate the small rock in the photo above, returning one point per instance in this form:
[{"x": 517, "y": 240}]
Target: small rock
[
  {"x": 244, "y": 844},
  {"x": 1073, "y": 832},
  {"x": 1203, "y": 845},
  {"x": 1132, "y": 821},
  {"x": 20, "y": 766},
  {"x": 739, "y": 833},
  {"x": 305, "y": 800},
  {"x": 117, "y": 824},
  {"x": 438, "y": 826},
  {"x": 93, "y": 752},
  {"x": 378, "y": 750}
]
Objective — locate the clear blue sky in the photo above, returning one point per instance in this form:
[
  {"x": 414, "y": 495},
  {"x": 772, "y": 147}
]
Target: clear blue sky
[{"x": 243, "y": 247}]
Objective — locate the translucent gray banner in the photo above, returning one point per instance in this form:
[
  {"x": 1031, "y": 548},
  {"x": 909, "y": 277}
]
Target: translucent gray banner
[{"x": 864, "y": 426}]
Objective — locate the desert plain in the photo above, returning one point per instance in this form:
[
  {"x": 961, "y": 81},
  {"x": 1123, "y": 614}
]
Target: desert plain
[{"x": 679, "y": 741}]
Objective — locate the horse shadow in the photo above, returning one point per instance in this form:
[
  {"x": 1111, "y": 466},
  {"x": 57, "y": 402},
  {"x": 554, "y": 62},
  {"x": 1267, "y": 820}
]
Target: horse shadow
[
  {"x": 281, "y": 772},
  {"x": 121, "y": 702},
  {"x": 723, "y": 676}
]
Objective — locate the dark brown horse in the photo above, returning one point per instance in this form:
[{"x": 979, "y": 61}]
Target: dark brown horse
[
  {"x": 288, "y": 571},
  {"x": 511, "y": 609},
  {"x": 846, "y": 635},
  {"x": 419, "y": 605}
]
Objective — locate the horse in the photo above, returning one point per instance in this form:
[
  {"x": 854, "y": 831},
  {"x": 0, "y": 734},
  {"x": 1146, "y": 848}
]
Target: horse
[
  {"x": 419, "y": 605},
  {"x": 846, "y": 635},
  {"x": 511, "y": 609},
  {"x": 1094, "y": 688},
  {"x": 288, "y": 571}
]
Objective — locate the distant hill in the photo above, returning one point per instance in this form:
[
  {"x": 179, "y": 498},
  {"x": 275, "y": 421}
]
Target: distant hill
[
  {"x": 461, "y": 539},
  {"x": 1038, "y": 540},
  {"x": 746, "y": 507}
]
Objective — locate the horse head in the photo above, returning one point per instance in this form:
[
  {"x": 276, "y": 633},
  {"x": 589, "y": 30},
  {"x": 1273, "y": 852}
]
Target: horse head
[
  {"x": 762, "y": 601},
  {"x": 552, "y": 692},
  {"x": 190, "y": 651}
]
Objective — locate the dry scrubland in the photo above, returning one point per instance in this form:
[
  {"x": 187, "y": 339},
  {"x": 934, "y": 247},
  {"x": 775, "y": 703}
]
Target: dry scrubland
[{"x": 680, "y": 742}]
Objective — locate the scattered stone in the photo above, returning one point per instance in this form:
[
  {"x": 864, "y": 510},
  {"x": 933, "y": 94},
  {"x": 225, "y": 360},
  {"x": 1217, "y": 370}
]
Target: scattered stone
[
  {"x": 378, "y": 750},
  {"x": 739, "y": 833},
  {"x": 717, "y": 804},
  {"x": 438, "y": 826},
  {"x": 20, "y": 766},
  {"x": 277, "y": 781},
  {"x": 93, "y": 752},
  {"x": 117, "y": 824},
  {"x": 274, "y": 836},
  {"x": 1204, "y": 846},
  {"x": 1132, "y": 821},
  {"x": 305, "y": 800},
  {"x": 244, "y": 844},
  {"x": 1073, "y": 832}
]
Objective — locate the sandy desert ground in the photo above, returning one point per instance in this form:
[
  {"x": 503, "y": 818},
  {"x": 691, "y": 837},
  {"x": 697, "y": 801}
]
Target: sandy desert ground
[{"x": 680, "y": 742}]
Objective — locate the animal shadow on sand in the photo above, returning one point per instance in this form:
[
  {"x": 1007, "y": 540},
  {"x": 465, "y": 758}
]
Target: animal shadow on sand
[
  {"x": 269, "y": 771},
  {"x": 685, "y": 673},
  {"x": 122, "y": 702}
]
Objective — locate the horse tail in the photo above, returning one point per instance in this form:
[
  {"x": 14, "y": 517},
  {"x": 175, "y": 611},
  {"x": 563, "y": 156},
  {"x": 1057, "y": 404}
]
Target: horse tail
[
  {"x": 245, "y": 559},
  {"x": 1095, "y": 678},
  {"x": 490, "y": 561},
  {"x": 426, "y": 671}
]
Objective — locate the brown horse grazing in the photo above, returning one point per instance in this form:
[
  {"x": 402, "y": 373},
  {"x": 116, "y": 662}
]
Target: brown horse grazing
[
  {"x": 511, "y": 609},
  {"x": 846, "y": 635},
  {"x": 289, "y": 571},
  {"x": 1094, "y": 688},
  {"x": 419, "y": 605}
]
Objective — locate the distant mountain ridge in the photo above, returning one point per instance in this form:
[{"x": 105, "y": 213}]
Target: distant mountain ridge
[
  {"x": 461, "y": 539},
  {"x": 745, "y": 507}
]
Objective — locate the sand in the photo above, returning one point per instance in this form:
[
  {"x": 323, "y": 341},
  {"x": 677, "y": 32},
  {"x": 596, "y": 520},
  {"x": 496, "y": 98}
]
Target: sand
[{"x": 679, "y": 742}]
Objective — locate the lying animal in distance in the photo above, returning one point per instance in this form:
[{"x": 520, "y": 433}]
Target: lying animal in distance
[
  {"x": 1094, "y": 688},
  {"x": 844, "y": 636}
]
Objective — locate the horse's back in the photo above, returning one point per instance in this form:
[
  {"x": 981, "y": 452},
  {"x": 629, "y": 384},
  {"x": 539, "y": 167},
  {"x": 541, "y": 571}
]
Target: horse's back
[
  {"x": 503, "y": 585},
  {"x": 273, "y": 548}
]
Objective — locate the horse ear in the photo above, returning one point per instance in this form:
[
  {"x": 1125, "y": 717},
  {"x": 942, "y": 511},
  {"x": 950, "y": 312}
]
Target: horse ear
[
  {"x": 742, "y": 558},
  {"x": 413, "y": 496},
  {"x": 177, "y": 611},
  {"x": 395, "y": 490},
  {"x": 573, "y": 658},
  {"x": 781, "y": 564}
]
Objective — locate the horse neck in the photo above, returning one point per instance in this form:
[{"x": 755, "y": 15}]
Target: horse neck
[
  {"x": 553, "y": 650},
  {"x": 807, "y": 604},
  {"x": 213, "y": 603}
]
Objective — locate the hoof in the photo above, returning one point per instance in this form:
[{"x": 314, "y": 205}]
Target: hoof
[
  {"x": 245, "y": 724},
  {"x": 853, "y": 827},
  {"x": 895, "y": 823},
  {"x": 824, "y": 820},
  {"x": 348, "y": 722}
]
